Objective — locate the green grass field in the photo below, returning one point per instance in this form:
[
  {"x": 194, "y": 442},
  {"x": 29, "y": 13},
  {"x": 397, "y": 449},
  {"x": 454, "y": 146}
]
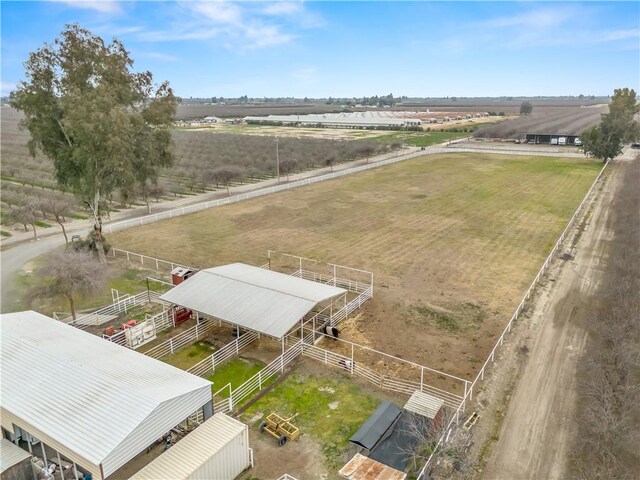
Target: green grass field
[
  {"x": 458, "y": 234},
  {"x": 422, "y": 139}
]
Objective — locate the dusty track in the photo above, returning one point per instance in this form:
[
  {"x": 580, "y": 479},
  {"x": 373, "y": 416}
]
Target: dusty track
[{"x": 534, "y": 435}]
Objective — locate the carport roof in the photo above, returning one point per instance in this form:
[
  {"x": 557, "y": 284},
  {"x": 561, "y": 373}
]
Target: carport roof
[{"x": 251, "y": 297}]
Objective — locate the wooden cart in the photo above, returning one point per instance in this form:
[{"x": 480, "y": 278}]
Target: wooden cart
[{"x": 280, "y": 428}]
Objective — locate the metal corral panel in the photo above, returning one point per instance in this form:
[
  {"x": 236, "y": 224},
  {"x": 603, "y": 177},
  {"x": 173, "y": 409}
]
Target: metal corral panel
[
  {"x": 255, "y": 298},
  {"x": 216, "y": 450},
  {"x": 424, "y": 404},
  {"x": 364, "y": 468},
  {"x": 97, "y": 403},
  {"x": 11, "y": 455}
]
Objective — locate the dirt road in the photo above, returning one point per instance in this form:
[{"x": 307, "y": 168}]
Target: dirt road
[{"x": 534, "y": 435}]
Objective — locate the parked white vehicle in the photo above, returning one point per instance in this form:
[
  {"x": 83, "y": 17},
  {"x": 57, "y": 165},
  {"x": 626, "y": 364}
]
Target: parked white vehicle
[{"x": 577, "y": 142}]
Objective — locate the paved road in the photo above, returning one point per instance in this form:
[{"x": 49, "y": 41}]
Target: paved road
[{"x": 535, "y": 433}]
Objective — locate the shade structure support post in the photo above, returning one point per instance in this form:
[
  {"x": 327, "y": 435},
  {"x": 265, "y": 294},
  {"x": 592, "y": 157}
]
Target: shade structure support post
[
  {"x": 44, "y": 455},
  {"x": 60, "y": 466},
  {"x": 282, "y": 357}
]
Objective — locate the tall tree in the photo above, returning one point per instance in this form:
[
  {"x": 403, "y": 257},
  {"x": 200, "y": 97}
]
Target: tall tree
[
  {"x": 606, "y": 140},
  {"x": 104, "y": 126}
]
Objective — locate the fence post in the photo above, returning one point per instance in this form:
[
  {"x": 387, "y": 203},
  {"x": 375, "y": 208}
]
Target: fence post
[
  {"x": 260, "y": 380},
  {"x": 238, "y": 343},
  {"x": 171, "y": 345},
  {"x": 422, "y": 378},
  {"x": 213, "y": 362},
  {"x": 352, "y": 359},
  {"x": 197, "y": 325}
]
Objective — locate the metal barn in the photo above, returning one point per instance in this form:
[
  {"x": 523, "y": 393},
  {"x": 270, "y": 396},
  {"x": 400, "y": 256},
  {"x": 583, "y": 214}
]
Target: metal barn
[{"x": 94, "y": 403}]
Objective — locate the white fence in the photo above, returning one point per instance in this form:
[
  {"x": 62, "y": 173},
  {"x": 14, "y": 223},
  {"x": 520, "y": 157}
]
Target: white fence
[
  {"x": 183, "y": 339},
  {"x": 257, "y": 382},
  {"x": 161, "y": 321},
  {"x": 385, "y": 382},
  {"x": 491, "y": 357},
  {"x": 110, "y": 312},
  {"x": 254, "y": 194},
  {"x": 208, "y": 365},
  {"x": 147, "y": 261}
]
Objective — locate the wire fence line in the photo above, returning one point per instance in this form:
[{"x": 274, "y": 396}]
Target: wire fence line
[
  {"x": 145, "y": 260},
  {"x": 177, "y": 212},
  {"x": 422, "y": 475}
]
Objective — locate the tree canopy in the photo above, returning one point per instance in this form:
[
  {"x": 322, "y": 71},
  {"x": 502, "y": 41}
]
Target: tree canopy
[
  {"x": 526, "y": 108},
  {"x": 606, "y": 140},
  {"x": 104, "y": 126}
]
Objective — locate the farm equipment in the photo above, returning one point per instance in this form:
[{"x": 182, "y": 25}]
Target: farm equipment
[{"x": 280, "y": 428}]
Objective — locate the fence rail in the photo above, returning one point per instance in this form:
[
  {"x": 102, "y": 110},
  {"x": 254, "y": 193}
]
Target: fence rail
[
  {"x": 491, "y": 357},
  {"x": 254, "y": 194},
  {"x": 208, "y": 365},
  {"x": 385, "y": 382},
  {"x": 109, "y": 312},
  {"x": 161, "y": 321},
  {"x": 257, "y": 381},
  {"x": 157, "y": 263},
  {"x": 183, "y": 339}
]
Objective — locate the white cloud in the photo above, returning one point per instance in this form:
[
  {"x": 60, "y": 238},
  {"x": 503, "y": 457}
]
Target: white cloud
[
  {"x": 538, "y": 18},
  {"x": 102, "y": 6},
  {"x": 283, "y": 8},
  {"x": 238, "y": 25},
  {"x": 164, "y": 57}
]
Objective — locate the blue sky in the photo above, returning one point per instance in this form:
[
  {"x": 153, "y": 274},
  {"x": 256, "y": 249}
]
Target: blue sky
[{"x": 345, "y": 49}]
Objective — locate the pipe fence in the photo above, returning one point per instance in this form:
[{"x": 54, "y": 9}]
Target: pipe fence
[
  {"x": 183, "y": 339},
  {"x": 491, "y": 357},
  {"x": 208, "y": 365},
  {"x": 145, "y": 260}
]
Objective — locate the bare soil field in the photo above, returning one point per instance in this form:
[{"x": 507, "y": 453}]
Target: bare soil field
[
  {"x": 568, "y": 121},
  {"x": 453, "y": 241}
]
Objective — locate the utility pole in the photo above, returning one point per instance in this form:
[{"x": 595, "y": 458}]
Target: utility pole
[{"x": 277, "y": 160}]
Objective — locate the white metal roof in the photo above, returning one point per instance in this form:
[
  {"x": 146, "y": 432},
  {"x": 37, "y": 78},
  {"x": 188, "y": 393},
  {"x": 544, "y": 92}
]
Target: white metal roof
[
  {"x": 190, "y": 453},
  {"x": 11, "y": 455},
  {"x": 252, "y": 297},
  {"x": 96, "y": 402},
  {"x": 424, "y": 404}
]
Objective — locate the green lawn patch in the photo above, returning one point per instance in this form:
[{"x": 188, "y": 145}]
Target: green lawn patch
[
  {"x": 330, "y": 409},
  {"x": 4, "y": 234},
  {"x": 236, "y": 371},
  {"x": 187, "y": 357}
]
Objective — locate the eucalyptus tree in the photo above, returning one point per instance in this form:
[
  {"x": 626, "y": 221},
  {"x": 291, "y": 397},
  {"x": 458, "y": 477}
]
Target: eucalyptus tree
[{"x": 105, "y": 127}]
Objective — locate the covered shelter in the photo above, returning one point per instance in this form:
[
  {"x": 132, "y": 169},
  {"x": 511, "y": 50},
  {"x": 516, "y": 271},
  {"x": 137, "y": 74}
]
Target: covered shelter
[
  {"x": 254, "y": 298},
  {"x": 95, "y": 403},
  {"x": 15, "y": 463}
]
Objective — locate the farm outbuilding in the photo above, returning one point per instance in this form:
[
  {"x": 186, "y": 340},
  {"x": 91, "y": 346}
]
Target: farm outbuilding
[
  {"x": 254, "y": 298},
  {"x": 219, "y": 448},
  {"x": 94, "y": 403},
  {"x": 15, "y": 463}
]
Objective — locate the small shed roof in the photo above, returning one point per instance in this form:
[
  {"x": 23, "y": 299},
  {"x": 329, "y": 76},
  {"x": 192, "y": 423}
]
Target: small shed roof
[
  {"x": 375, "y": 427},
  {"x": 190, "y": 453},
  {"x": 96, "y": 402},
  {"x": 424, "y": 404},
  {"x": 252, "y": 297},
  {"x": 364, "y": 468},
  {"x": 11, "y": 455}
]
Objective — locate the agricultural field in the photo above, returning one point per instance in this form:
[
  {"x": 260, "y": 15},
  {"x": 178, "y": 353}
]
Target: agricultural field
[
  {"x": 569, "y": 121},
  {"x": 453, "y": 241},
  {"x": 28, "y": 183}
]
